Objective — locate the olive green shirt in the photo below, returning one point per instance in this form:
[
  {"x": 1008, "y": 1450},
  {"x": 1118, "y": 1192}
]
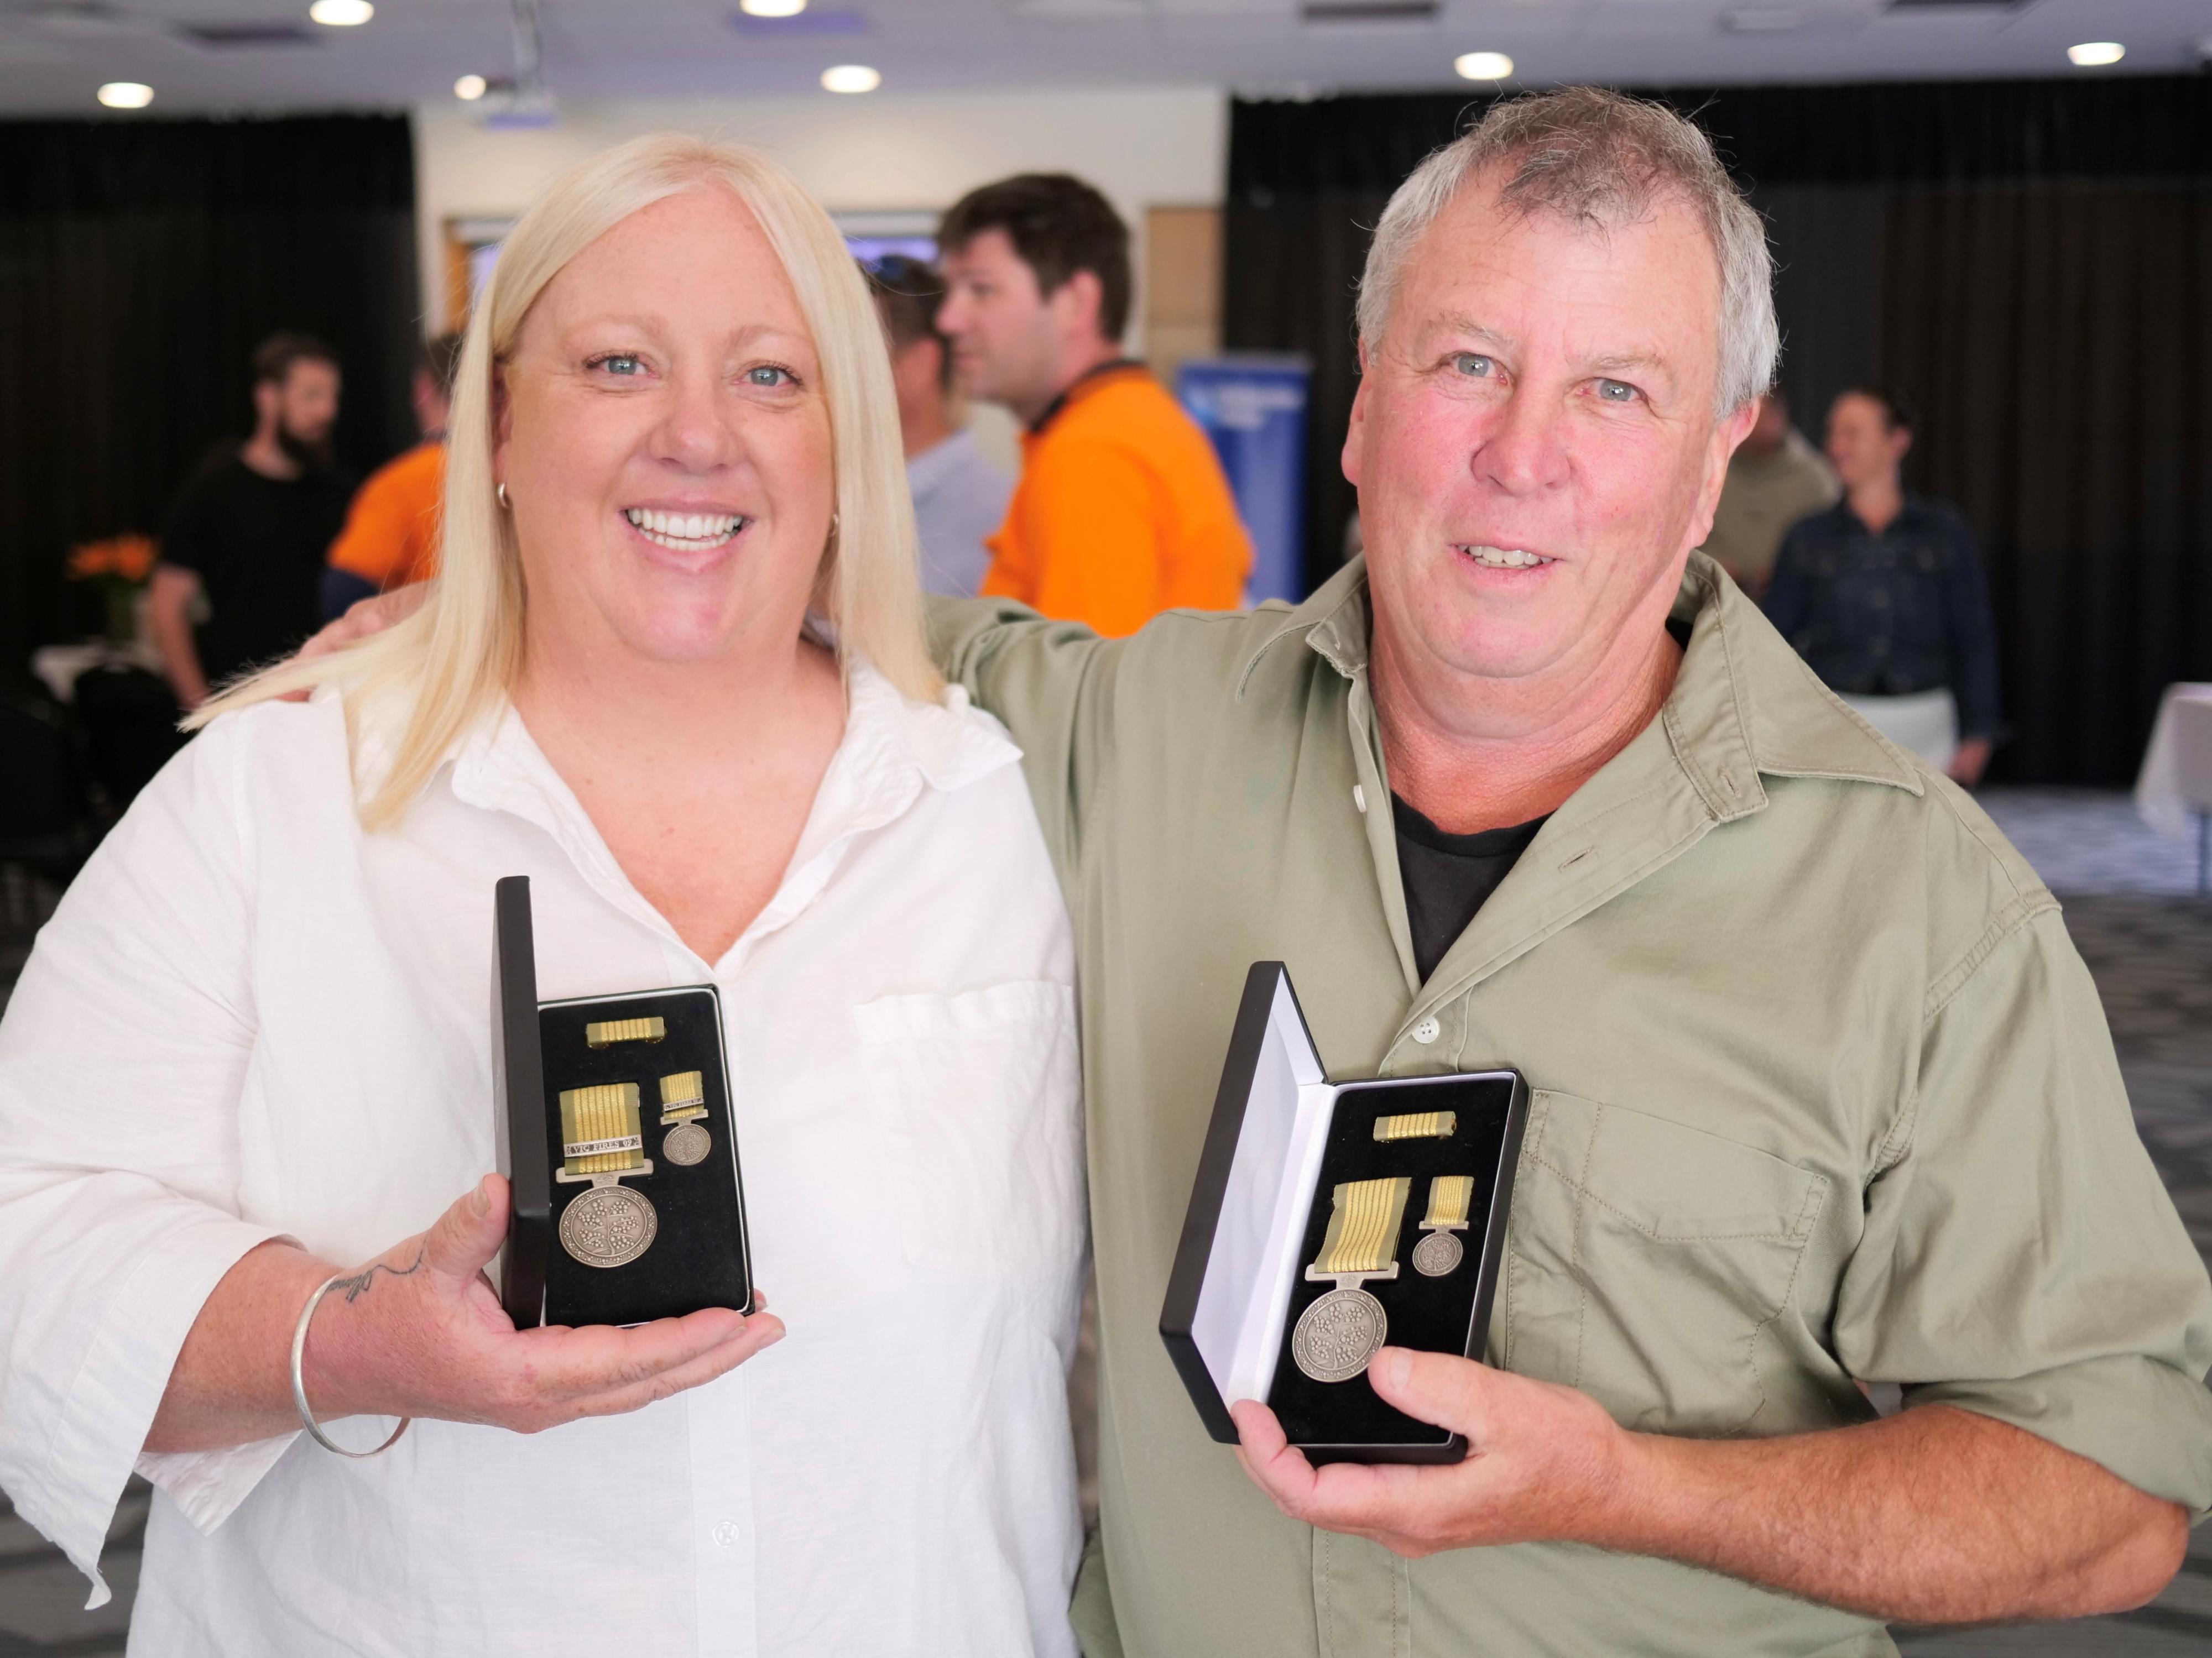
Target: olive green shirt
[
  {"x": 1821, "y": 1091},
  {"x": 1761, "y": 501}
]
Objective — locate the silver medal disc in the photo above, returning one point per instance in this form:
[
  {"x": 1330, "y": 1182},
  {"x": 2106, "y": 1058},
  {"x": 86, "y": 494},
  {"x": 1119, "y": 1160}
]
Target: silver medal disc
[
  {"x": 687, "y": 1143},
  {"x": 1338, "y": 1334},
  {"x": 609, "y": 1226},
  {"x": 1437, "y": 1254}
]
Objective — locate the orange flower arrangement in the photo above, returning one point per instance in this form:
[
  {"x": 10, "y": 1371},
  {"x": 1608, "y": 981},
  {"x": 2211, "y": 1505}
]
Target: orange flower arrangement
[
  {"x": 120, "y": 564},
  {"x": 128, "y": 558}
]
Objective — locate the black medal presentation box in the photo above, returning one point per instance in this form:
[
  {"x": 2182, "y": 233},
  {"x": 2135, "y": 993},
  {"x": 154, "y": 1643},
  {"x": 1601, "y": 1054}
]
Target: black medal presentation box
[
  {"x": 614, "y": 1128},
  {"x": 1327, "y": 1218}
]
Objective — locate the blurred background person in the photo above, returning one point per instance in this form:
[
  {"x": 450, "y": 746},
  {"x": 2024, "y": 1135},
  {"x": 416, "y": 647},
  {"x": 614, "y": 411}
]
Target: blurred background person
[
  {"x": 1775, "y": 478},
  {"x": 1122, "y": 510},
  {"x": 249, "y": 532},
  {"x": 959, "y": 496},
  {"x": 391, "y": 535},
  {"x": 1882, "y": 595}
]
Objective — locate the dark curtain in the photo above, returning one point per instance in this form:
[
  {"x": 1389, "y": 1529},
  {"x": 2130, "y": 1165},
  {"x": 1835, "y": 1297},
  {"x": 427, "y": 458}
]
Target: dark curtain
[
  {"x": 140, "y": 263},
  {"x": 2028, "y": 262}
]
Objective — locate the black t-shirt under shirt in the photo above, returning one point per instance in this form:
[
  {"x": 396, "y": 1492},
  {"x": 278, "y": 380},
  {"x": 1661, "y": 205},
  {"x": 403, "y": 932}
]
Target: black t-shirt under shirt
[
  {"x": 1449, "y": 877},
  {"x": 257, "y": 545}
]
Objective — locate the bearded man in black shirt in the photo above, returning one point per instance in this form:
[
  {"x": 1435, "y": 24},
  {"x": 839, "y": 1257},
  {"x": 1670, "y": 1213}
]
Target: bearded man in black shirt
[{"x": 249, "y": 532}]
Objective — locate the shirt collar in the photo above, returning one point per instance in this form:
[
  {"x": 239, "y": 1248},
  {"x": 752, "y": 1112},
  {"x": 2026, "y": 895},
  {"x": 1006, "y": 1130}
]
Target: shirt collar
[
  {"x": 894, "y": 749},
  {"x": 1082, "y": 386},
  {"x": 1744, "y": 704}
]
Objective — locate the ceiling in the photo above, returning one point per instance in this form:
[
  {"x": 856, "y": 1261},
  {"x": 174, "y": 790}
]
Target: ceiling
[{"x": 263, "y": 55}]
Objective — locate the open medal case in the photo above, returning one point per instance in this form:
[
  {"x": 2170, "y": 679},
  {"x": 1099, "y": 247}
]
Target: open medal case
[
  {"x": 1299, "y": 1173},
  {"x": 614, "y": 1129}
]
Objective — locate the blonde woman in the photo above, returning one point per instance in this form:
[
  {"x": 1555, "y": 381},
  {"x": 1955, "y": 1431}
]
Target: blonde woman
[{"x": 674, "y": 674}]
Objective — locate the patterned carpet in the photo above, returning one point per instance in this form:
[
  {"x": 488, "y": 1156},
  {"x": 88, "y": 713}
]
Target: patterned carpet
[{"x": 2149, "y": 944}]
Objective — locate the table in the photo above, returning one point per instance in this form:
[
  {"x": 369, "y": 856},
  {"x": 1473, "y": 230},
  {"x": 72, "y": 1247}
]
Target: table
[{"x": 2173, "y": 792}]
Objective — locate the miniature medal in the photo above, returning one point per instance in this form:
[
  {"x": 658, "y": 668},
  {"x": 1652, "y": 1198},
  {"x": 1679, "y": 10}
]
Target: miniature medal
[
  {"x": 682, "y": 1102},
  {"x": 687, "y": 1143},
  {"x": 1338, "y": 1334},
  {"x": 1440, "y": 1252}
]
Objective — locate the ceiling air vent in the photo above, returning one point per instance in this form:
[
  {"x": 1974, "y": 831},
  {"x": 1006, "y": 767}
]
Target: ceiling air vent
[
  {"x": 247, "y": 37},
  {"x": 1369, "y": 11}
]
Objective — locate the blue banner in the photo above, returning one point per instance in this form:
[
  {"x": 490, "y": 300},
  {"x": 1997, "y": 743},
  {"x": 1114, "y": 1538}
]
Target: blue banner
[{"x": 1254, "y": 408}]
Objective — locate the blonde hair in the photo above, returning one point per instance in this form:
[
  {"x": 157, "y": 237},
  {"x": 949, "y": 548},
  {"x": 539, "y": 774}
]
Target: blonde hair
[{"x": 456, "y": 659}]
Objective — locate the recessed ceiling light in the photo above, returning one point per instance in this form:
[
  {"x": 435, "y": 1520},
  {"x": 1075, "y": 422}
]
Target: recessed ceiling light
[
  {"x": 2092, "y": 54},
  {"x": 1483, "y": 65},
  {"x": 342, "y": 14},
  {"x": 851, "y": 77},
  {"x": 771, "y": 8},
  {"x": 469, "y": 88},
  {"x": 126, "y": 94}
]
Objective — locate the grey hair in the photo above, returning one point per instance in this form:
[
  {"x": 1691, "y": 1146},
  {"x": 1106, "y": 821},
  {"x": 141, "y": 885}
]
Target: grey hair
[{"x": 1596, "y": 159}]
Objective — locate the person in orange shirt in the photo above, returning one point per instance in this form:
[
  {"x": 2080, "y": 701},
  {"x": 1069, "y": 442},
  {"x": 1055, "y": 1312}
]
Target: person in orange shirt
[
  {"x": 390, "y": 534},
  {"x": 1122, "y": 510}
]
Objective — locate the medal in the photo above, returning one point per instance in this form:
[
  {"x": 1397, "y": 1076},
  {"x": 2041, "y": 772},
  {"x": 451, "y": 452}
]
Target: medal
[
  {"x": 1449, "y": 1198},
  {"x": 609, "y": 1226},
  {"x": 1338, "y": 1334},
  {"x": 1417, "y": 1125},
  {"x": 602, "y": 1141}
]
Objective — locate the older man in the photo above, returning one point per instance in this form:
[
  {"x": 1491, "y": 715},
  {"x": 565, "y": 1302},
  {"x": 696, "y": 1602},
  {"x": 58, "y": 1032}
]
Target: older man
[{"x": 1822, "y": 1093}]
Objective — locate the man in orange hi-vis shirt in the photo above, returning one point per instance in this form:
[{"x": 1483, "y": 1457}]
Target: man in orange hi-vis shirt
[
  {"x": 390, "y": 534},
  {"x": 1122, "y": 510}
]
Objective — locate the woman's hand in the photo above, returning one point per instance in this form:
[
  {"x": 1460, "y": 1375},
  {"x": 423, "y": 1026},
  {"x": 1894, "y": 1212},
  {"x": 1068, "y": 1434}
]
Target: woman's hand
[{"x": 419, "y": 1332}]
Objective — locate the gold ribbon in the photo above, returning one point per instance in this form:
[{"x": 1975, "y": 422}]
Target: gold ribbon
[
  {"x": 602, "y": 1033},
  {"x": 683, "y": 1097},
  {"x": 1417, "y": 1125},
  {"x": 599, "y": 1131},
  {"x": 1363, "y": 1228},
  {"x": 1449, "y": 1196}
]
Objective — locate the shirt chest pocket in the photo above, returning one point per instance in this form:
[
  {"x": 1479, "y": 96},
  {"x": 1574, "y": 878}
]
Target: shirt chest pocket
[
  {"x": 1646, "y": 1259},
  {"x": 973, "y": 1109}
]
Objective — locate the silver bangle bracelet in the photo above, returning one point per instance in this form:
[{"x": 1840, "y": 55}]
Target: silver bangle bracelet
[{"x": 299, "y": 1384}]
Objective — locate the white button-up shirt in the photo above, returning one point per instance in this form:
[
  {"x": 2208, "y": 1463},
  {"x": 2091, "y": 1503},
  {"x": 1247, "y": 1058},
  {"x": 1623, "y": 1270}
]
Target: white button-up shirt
[{"x": 249, "y": 1019}]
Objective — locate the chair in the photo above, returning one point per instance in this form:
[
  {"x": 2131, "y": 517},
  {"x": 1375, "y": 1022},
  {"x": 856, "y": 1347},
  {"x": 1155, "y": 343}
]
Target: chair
[
  {"x": 46, "y": 817},
  {"x": 129, "y": 719}
]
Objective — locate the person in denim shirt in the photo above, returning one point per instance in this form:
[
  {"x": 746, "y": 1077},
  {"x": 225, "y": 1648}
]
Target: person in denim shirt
[{"x": 1882, "y": 595}]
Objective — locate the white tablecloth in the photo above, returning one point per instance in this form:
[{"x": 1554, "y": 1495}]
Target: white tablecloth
[
  {"x": 2159, "y": 793},
  {"x": 60, "y": 664}
]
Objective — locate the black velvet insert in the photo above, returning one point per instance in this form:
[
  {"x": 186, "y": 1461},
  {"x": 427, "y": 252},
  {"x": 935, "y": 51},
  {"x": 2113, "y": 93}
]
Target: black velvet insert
[
  {"x": 1436, "y": 1315},
  {"x": 698, "y": 1258}
]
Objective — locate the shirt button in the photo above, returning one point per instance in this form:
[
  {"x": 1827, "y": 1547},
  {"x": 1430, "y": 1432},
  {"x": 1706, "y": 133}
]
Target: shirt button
[
  {"x": 1359, "y": 798},
  {"x": 1427, "y": 1031},
  {"x": 726, "y": 1533}
]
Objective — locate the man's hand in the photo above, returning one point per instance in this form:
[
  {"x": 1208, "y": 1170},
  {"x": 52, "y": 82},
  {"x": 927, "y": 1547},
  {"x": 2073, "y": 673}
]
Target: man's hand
[
  {"x": 1936, "y": 1514},
  {"x": 420, "y": 1332},
  {"x": 370, "y": 616},
  {"x": 1970, "y": 762},
  {"x": 1543, "y": 1462}
]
